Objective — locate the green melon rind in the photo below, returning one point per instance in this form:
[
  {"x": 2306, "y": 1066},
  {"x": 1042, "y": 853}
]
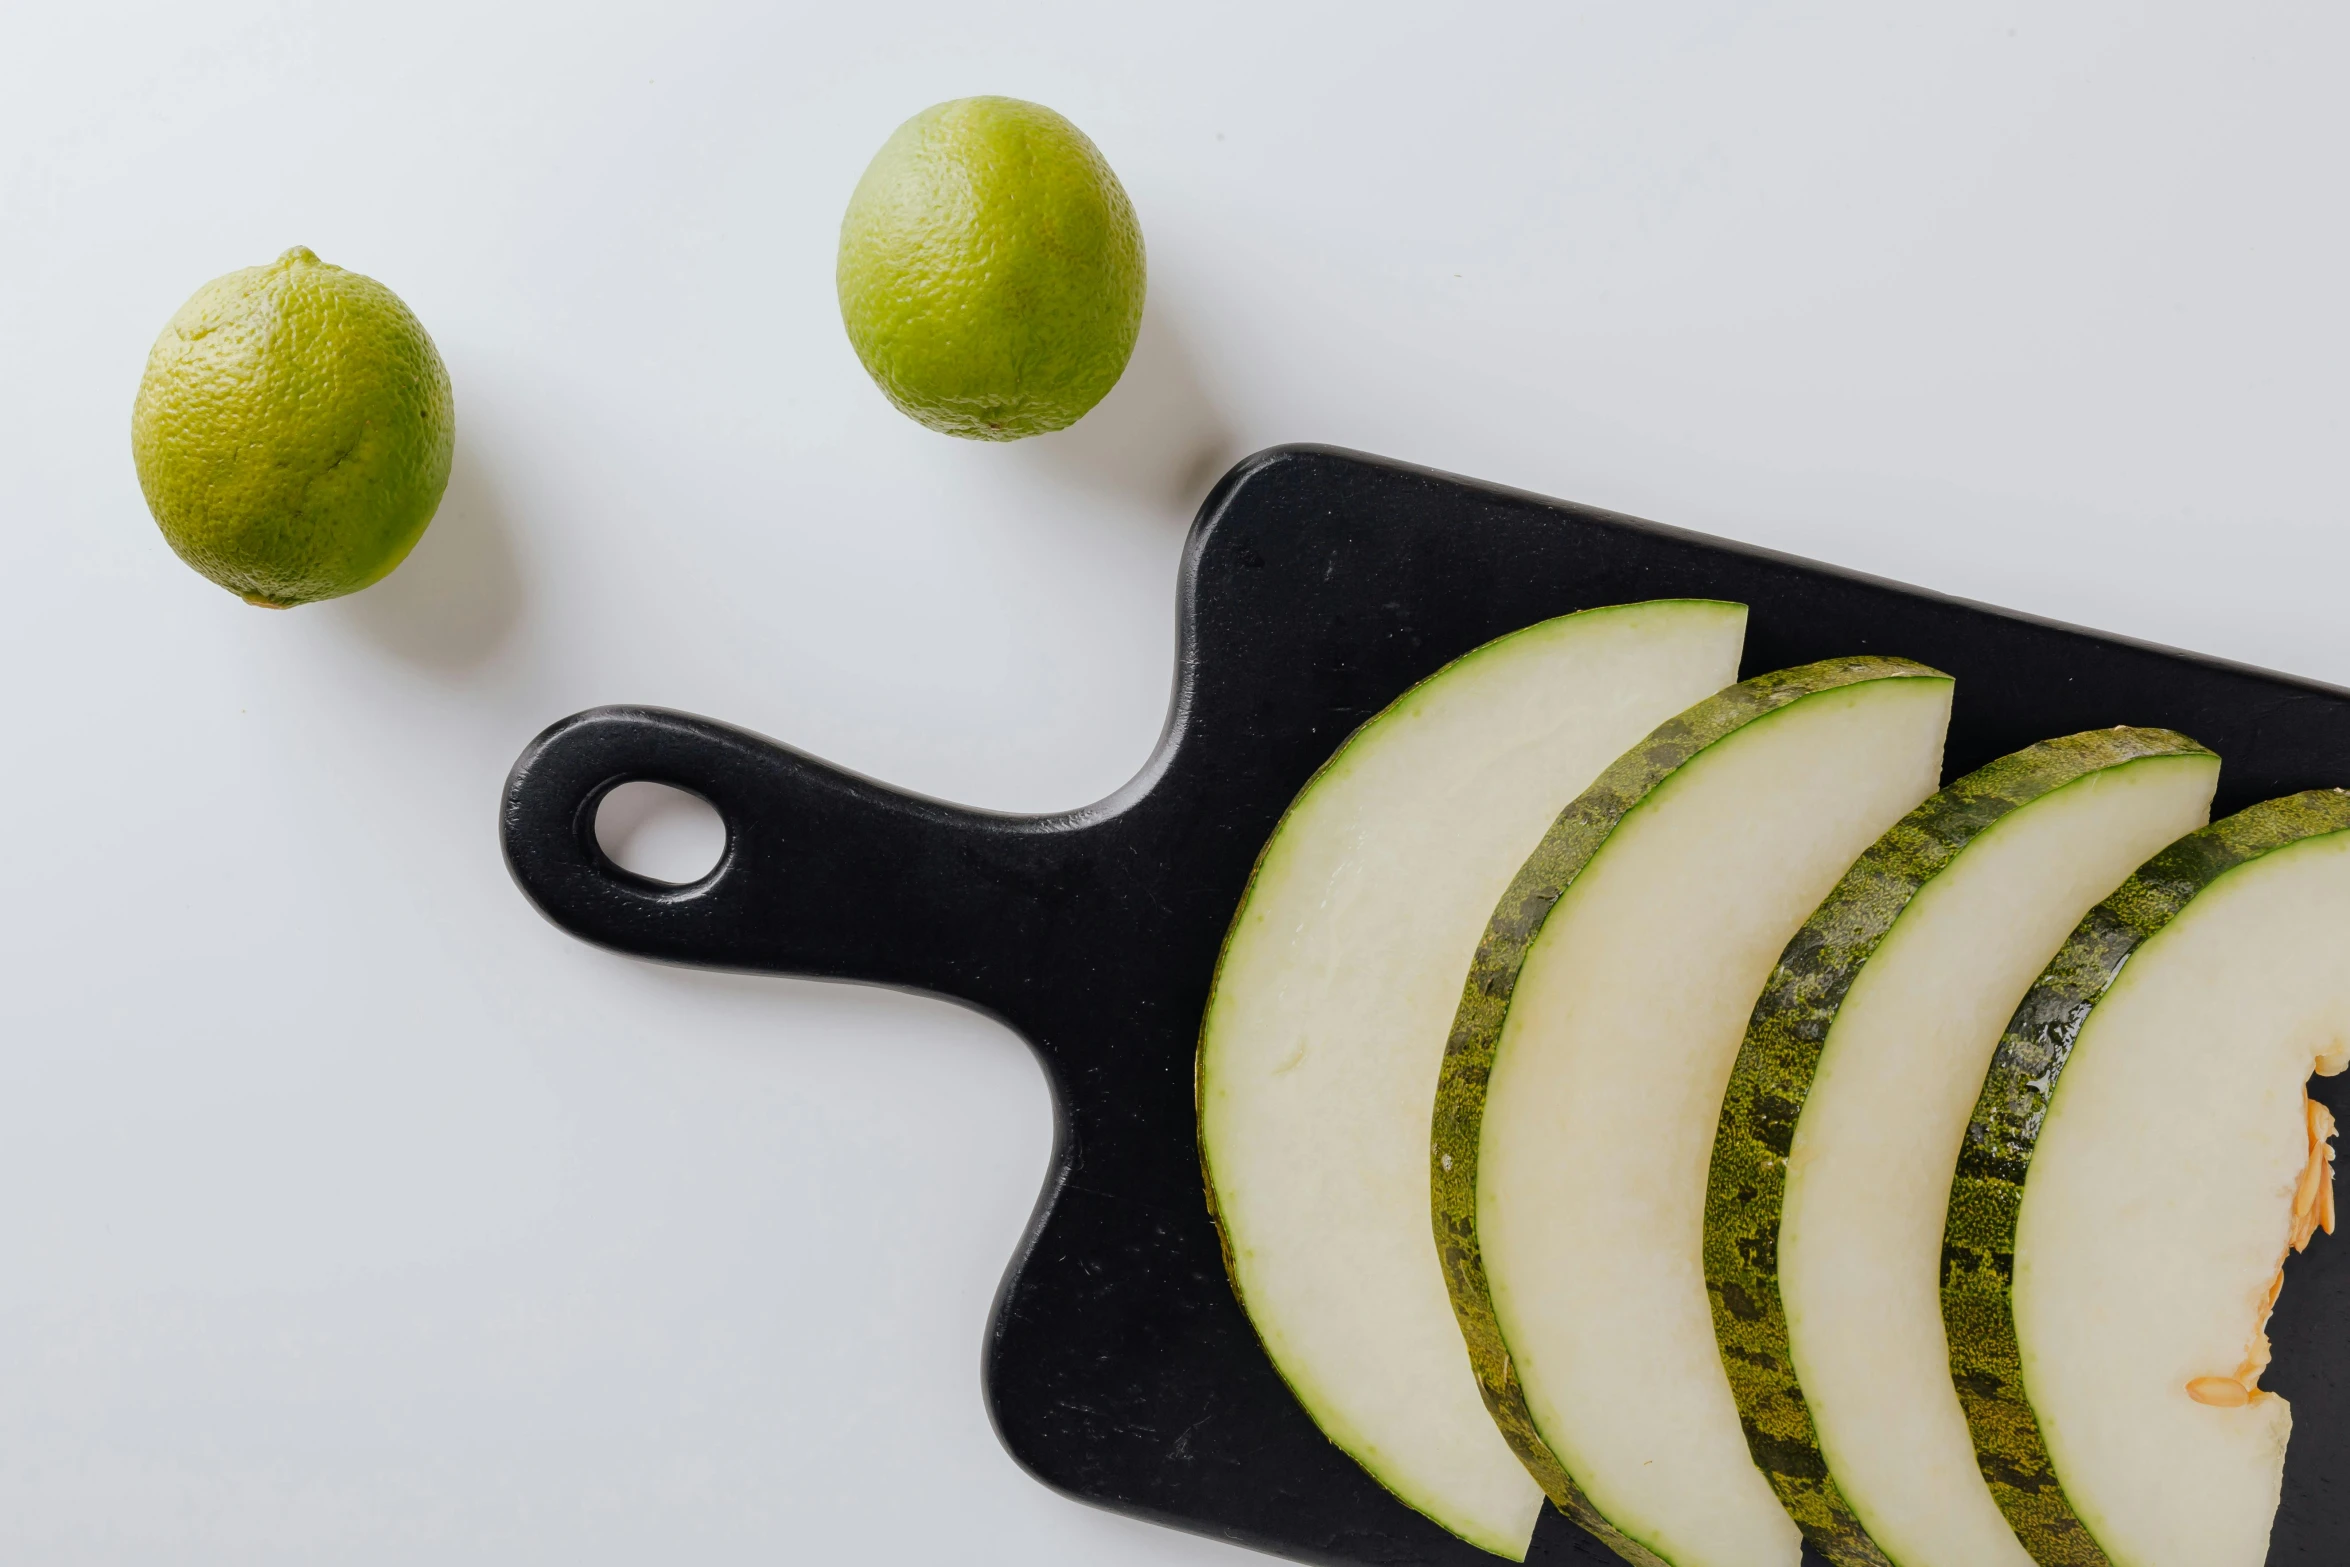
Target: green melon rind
[
  {"x": 1772, "y": 1080},
  {"x": 1199, "y": 1087},
  {"x": 1986, "y": 1197},
  {"x": 1578, "y": 834}
]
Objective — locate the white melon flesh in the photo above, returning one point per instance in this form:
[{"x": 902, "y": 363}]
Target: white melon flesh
[
  {"x": 1607, "y": 1084},
  {"x": 1869, "y": 1170},
  {"x": 2159, "y": 1206},
  {"x": 1326, "y": 1027}
]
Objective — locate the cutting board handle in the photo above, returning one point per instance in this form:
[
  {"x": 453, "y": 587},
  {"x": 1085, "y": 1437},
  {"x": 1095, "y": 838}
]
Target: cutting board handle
[{"x": 824, "y": 872}]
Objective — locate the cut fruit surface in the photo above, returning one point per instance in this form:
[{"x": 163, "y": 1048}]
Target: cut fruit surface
[
  {"x": 2145, "y": 1151},
  {"x": 1326, "y": 1027},
  {"x": 1584, "y": 1078},
  {"x": 1841, "y": 1129}
]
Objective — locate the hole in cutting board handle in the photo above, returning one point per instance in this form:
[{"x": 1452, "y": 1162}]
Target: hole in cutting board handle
[{"x": 660, "y": 832}]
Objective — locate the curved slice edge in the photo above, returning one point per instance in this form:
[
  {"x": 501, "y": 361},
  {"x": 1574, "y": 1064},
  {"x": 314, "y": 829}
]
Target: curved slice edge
[
  {"x": 1581, "y": 830},
  {"x": 1776, "y": 1068},
  {"x": 1693, "y": 650},
  {"x": 1987, "y": 1194}
]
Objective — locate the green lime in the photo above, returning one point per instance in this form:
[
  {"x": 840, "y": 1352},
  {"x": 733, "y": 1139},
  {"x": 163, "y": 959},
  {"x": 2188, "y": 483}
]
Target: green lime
[
  {"x": 293, "y": 431},
  {"x": 991, "y": 271}
]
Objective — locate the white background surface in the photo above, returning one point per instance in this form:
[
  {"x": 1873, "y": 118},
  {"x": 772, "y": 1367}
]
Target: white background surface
[{"x": 350, "y": 1213}]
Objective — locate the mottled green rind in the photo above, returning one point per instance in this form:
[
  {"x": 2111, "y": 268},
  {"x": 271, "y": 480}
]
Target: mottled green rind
[
  {"x": 1573, "y": 840},
  {"x": 1199, "y": 1086},
  {"x": 1773, "y": 1078},
  {"x": 1986, "y": 1198}
]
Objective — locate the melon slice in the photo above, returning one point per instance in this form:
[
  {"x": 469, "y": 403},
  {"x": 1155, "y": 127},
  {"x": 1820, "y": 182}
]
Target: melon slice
[
  {"x": 1841, "y": 1129},
  {"x": 1323, "y": 1035},
  {"x": 2142, "y": 1158},
  {"x": 1584, "y": 1078}
]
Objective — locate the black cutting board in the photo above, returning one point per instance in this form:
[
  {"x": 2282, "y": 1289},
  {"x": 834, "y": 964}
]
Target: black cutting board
[{"x": 1317, "y": 585}]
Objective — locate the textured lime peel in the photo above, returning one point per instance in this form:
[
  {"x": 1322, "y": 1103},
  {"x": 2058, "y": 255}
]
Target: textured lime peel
[
  {"x": 991, "y": 270},
  {"x": 1980, "y": 1276},
  {"x": 1781, "y": 1061},
  {"x": 293, "y": 431}
]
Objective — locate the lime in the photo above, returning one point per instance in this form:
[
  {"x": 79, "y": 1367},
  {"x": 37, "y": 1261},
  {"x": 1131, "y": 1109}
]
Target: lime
[
  {"x": 991, "y": 271},
  {"x": 293, "y": 431}
]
